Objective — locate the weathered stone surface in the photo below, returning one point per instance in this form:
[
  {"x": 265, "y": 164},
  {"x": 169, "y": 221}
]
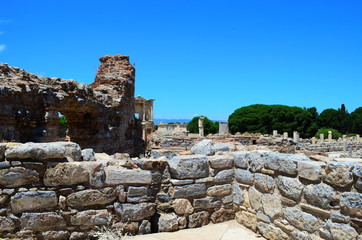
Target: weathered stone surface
[
  {"x": 118, "y": 176},
  {"x": 88, "y": 155},
  {"x": 227, "y": 199},
  {"x": 256, "y": 160},
  {"x": 285, "y": 163},
  {"x": 352, "y": 203},
  {"x": 17, "y": 176},
  {"x": 206, "y": 203},
  {"x": 222, "y": 147},
  {"x": 297, "y": 235},
  {"x": 178, "y": 182},
  {"x": 3, "y": 199},
  {"x": 221, "y": 161},
  {"x": 138, "y": 194},
  {"x": 358, "y": 184},
  {"x": 42, "y": 221},
  {"x": 188, "y": 166},
  {"x": 2, "y": 151},
  {"x": 90, "y": 218},
  {"x": 247, "y": 219},
  {"x": 44, "y": 151},
  {"x": 219, "y": 190},
  {"x": 153, "y": 164},
  {"x": 63, "y": 174},
  {"x": 255, "y": 198},
  {"x": 5, "y": 164},
  {"x": 310, "y": 170},
  {"x": 262, "y": 217},
  {"x": 91, "y": 197},
  {"x": 192, "y": 190},
  {"x": 145, "y": 227},
  {"x": 240, "y": 159},
  {"x": 182, "y": 222},
  {"x": 182, "y": 206},
  {"x": 79, "y": 235},
  {"x": 222, "y": 215},
  {"x": 301, "y": 220},
  {"x": 271, "y": 205},
  {"x": 198, "y": 219},
  {"x": 290, "y": 187},
  {"x": 34, "y": 200},
  {"x": 134, "y": 212},
  {"x": 203, "y": 148},
  {"x": 264, "y": 182},
  {"x": 167, "y": 223},
  {"x": 336, "y": 231},
  {"x": 237, "y": 194},
  {"x": 58, "y": 235},
  {"x": 270, "y": 232},
  {"x": 320, "y": 195},
  {"x": 338, "y": 174},
  {"x": 244, "y": 176},
  {"x": 224, "y": 176},
  {"x": 6, "y": 225}
]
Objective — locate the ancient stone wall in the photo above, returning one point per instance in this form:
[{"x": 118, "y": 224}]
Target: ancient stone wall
[
  {"x": 49, "y": 190},
  {"x": 100, "y": 115}
]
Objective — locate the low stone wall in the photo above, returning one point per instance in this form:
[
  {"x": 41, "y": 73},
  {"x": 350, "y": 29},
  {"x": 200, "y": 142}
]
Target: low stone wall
[{"x": 47, "y": 191}]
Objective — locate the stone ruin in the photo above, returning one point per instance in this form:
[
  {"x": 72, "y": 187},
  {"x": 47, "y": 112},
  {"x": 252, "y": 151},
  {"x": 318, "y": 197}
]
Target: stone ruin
[{"x": 100, "y": 115}]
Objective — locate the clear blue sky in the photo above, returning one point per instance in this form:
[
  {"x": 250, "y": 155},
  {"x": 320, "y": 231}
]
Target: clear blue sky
[{"x": 198, "y": 57}]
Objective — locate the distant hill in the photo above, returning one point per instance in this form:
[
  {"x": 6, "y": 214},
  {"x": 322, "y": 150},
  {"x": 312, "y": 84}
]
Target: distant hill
[{"x": 165, "y": 121}]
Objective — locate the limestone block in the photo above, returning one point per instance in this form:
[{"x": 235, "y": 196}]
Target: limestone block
[
  {"x": 206, "y": 203},
  {"x": 90, "y": 218},
  {"x": 222, "y": 215},
  {"x": 17, "y": 176},
  {"x": 222, "y": 147},
  {"x": 3, "y": 199},
  {"x": 297, "y": 235},
  {"x": 240, "y": 159},
  {"x": 68, "y": 173},
  {"x": 188, "y": 166},
  {"x": 2, "y": 151},
  {"x": 167, "y": 223},
  {"x": 285, "y": 163},
  {"x": 198, "y": 219},
  {"x": 352, "y": 203},
  {"x": 88, "y": 155},
  {"x": 182, "y": 222},
  {"x": 6, "y": 225},
  {"x": 153, "y": 164},
  {"x": 34, "y": 200},
  {"x": 224, "y": 176},
  {"x": 237, "y": 194},
  {"x": 42, "y": 221},
  {"x": 244, "y": 176},
  {"x": 192, "y": 190},
  {"x": 358, "y": 184},
  {"x": 134, "y": 212},
  {"x": 320, "y": 195},
  {"x": 221, "y": 161},
  {"x": 92, "y": 197},
  {"x": 182, "y": 206},
  {"x": 290, "y": 187},
  {"x": 338, "y": 218},
  {"x": 271, "y": 232},
  {"x": 338, "y": 174},
  {"x": 58, "y": 235},
  {"x": 264, "y": 183},
  {"x": 272, "y": 205},
  {"x": 177, "y": 182},
  {"x": 203, "y": 148},
  {"x": 5, "y": 164},
  {"x": 262, "y": 217},
  {"x": 257, "y": 160},
  {"x": 301, "y": 220},
  {"x": 145, "y": 227},
  {"x": 310, "y": 170},
  {"x": 255, "y": 198},
  {"x": 247, "y": 219},
  {"x": 336, "y": 231},
  {"x": 118, "y": 176},
  {"x": 138, "y": 194},
  {"x": 121, "y": 194},
  {"x": 227, "y": 199},
  {"x": 44, "y": 151},
  {"x": 219, "y": 190},
  {"x": 357, "y": 170}
]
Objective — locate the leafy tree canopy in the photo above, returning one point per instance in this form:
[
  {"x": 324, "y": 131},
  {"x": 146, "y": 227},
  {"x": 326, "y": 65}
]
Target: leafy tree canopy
[{"x": 209, "y": 126}]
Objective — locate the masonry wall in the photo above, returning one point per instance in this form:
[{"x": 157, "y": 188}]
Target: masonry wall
[{"x": 48, "y": 190}]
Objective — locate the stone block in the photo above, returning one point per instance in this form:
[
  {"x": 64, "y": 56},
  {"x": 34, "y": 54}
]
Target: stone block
[
  {"x": 145, "y": 227},
  {"x": 247, "y": 219},
  {"x": 358, "y": 184},
  {"x": 244, "y": 176},
  {"x": 264, "y": 183},
  {"x": 290, "y": 187},
  {"x": 336, "y": 231},
  {"x": 221, "y": 161},
  {"x": 34, "y": 200},
  {"x": 2, "y": 151},
  {"x": 224, "y": 176},
  {"x": 206, "y": 203},
  {"x": 192, "y": 190},
  {"x": 167, "y": 223},
  {"x": 42, "y": 221},
  {"x": 182, "y": 206},
  {"x": 285, "y": 163},
  {"x": 17, "y": 176},
  {"x": 255, "y": 198},
  {"x": 227, "y": 199},
  {"x": 222, "y": 215},
  {"x": 119, "y": 176},
  {"x": 351, "y": 203},
  {"x": 257, "y": 160},
  {"x": 297, "y": 235},
  {"x": 219, "y": 190},
  {"x": 198, "y": 219},
  {"x": 6, "y": 225},
  {"x": 315, "y": 210},
  {"x": 182, "y": 222},
  {"x": 138, "y": 194},
  {"x": 44, "y": 151},
  {"x": 338, "y": 174},
  {"x": 272, "y": 205},
  {"x": 310, "y": 170},
  {"x": 188, "y": 166},
  {"x": 301, "y": 220},
  {"x": 153, "y": 164},
  {"x": 92, "y": 197},
  {"x": 134, "y": 212},
  {"x": 205, "y": 147},
  {"x": 58, "y": 235},
  {"x": 320, "y": 195},
  {"x": 237, "y": 194},
  {"x": 262, "y": 217},
  {"x": 90, "y": 218},
  {"x": 240, "y": 159},
  {"x": 64, "y": 174},
  {"x": 178, "y": 182},
  {"x": 88, "y": 155},
  {"x": 222, "y": 147},
  {"x": 271, "y": 232}
]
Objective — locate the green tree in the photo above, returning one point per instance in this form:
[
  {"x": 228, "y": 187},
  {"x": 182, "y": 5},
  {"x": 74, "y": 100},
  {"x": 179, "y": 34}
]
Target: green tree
[
  {"x": 324, "y": 131},
  {"x": 209, "y": 126},
  {"x": 356, "y": 120},
  {"x": 337, "y": 119}
]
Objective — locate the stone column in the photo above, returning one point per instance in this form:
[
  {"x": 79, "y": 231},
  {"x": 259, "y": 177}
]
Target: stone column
[
  {"x": 275, "y": 133},
  {"x": 329, "y": 136},
  {"x": 344, "y": 146},
  {"x": 358, "y": 138},
  {"x": 201, "y": 126},
  {"x": 350, "y": 152},
  {"x": 223, "y": 128},
  {"x": 285, "y": 135},
  {"x": 313, "y": 140},
  {"x": 296, "y": 136},
  {"x": 321, "y": 137}
]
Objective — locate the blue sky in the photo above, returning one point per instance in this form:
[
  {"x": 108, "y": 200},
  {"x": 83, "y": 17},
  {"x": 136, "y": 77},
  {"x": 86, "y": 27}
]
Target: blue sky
[{"x": 197, "y": 57}]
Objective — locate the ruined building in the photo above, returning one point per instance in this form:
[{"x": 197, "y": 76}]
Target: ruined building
[{"x": 100, "y": 115}]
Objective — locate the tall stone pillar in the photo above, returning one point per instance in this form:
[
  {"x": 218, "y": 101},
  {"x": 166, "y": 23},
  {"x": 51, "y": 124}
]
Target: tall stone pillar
[
  {"x": 329, "y": 136},
  {"x": 285, "y": 135},
  {"x": 275, "y": 133},
  {"x": 313, "y": 140},
  {"x": 358, "y": 138},
  {"x": 223, "y": 128},
  {"x": 321, "y": 137},
  {"x": 201, "y": 126},
  {"x": 296, "y": 136}
]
